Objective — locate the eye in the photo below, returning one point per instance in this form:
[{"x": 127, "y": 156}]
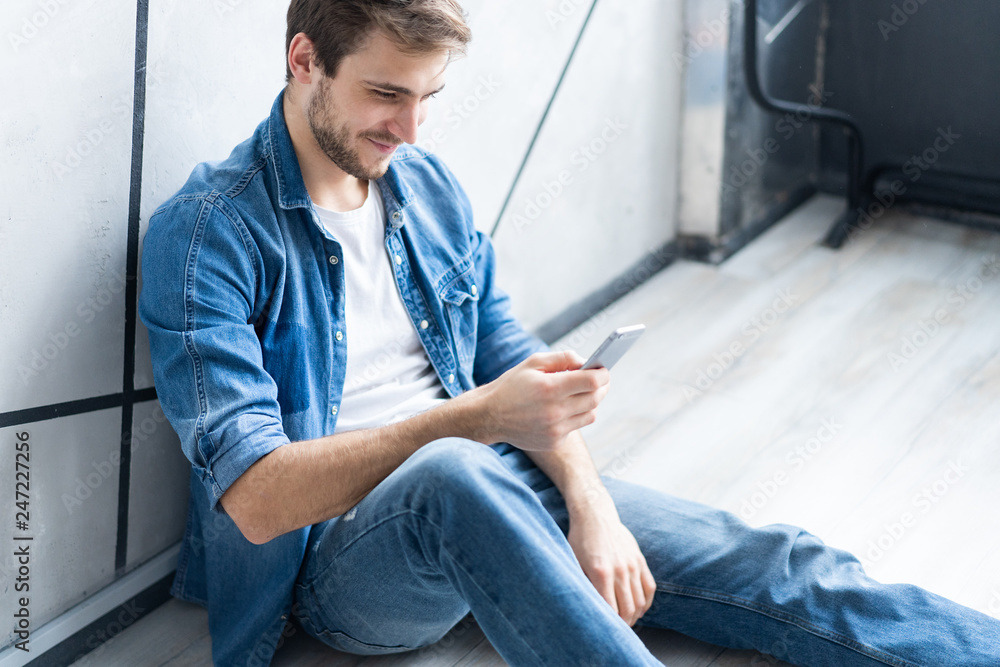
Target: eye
[{"x": 381, "y": 94}]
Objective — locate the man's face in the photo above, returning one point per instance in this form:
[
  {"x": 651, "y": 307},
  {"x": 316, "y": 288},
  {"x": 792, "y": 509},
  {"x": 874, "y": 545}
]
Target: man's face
[{"x": 376, "y": 101}]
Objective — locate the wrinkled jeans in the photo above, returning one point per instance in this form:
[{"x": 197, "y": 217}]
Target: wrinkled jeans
[{"x": 461, "y": 526}]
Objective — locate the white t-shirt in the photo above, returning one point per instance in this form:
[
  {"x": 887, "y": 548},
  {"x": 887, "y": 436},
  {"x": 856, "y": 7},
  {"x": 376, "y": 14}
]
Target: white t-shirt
[{"x": 389, "y": 376}]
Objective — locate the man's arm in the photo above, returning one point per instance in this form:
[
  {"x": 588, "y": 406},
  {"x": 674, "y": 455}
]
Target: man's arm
[
  {"x": 606, "y": 550},
  {"x": 532, "y": 406}
]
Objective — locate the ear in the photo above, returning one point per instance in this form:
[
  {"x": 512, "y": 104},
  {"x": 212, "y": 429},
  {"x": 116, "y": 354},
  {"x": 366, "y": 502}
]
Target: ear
[{"x": 300, "y": 59}]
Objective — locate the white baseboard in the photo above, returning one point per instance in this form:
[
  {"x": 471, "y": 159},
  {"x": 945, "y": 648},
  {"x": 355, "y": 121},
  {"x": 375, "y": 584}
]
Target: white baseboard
[{"x": 75, "y": 619}]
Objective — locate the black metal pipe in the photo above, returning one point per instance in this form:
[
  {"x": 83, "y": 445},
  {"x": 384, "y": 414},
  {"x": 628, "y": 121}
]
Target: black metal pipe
[{"x": 855, "y": 168}]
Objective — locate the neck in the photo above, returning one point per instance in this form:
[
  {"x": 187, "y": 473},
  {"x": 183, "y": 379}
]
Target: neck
[{"x": 328, "y": 185}]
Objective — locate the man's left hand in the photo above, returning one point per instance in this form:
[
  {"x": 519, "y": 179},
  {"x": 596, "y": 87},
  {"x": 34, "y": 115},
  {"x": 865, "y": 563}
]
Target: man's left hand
[{"x": 610, "y": 557}]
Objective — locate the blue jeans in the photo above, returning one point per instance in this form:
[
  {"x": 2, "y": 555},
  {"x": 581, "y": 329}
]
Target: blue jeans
[{"x": 462, "y": 526}]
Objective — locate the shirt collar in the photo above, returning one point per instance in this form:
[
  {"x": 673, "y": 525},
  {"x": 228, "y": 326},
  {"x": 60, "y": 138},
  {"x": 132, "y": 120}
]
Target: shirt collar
[{"x": 292, "y": 191}]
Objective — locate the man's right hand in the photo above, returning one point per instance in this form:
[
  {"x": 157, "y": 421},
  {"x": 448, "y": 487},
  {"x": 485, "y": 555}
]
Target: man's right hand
[{"x": 535, "y": 405}]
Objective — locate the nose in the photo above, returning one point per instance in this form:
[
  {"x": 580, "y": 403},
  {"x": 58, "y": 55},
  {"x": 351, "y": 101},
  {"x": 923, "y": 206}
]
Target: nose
[{"x": 405, "y": 123}]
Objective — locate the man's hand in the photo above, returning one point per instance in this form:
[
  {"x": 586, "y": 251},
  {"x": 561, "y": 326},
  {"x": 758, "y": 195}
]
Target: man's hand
[
  {"x": 534, "y": 406},
  {"x": 610, "y": 556}
]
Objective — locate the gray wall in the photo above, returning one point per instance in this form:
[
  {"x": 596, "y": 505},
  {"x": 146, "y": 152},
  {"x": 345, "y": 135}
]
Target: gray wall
[{"x": 213, "y": 69}]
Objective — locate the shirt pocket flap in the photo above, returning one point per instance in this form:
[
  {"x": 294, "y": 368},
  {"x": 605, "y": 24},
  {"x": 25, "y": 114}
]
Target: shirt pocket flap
[{"x": 463, "y": 288}]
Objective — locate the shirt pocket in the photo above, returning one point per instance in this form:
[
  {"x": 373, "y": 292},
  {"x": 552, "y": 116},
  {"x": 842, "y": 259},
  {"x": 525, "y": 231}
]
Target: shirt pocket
[{"x": 460, "y": 298}]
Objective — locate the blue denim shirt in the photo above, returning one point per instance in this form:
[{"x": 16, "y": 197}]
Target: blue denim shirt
[{"x": 243, "y": 296}]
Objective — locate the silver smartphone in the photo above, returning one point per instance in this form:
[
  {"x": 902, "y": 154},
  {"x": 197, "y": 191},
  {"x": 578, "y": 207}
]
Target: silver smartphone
[{"x": 614, "y": 347}]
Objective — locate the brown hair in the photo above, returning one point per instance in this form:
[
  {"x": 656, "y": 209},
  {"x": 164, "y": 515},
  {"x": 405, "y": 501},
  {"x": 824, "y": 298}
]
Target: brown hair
[{"x": 338, "y": 28}]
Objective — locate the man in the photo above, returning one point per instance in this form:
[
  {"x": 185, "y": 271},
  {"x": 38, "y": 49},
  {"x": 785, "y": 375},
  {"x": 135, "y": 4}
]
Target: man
[{"x": 378, "y": 447}]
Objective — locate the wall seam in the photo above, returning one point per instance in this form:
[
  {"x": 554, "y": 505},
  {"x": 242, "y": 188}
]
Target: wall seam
[{"x": 131, "y": 282}]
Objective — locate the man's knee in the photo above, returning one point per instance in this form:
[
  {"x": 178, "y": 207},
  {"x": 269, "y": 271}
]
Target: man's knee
[{"x": 452, "y": 465}]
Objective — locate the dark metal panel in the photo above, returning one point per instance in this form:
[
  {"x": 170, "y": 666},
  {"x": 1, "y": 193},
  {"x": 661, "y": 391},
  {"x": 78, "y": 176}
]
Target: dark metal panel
[
  {"x": 915, "y": 73},
  {"x": 771, "y": 160}
]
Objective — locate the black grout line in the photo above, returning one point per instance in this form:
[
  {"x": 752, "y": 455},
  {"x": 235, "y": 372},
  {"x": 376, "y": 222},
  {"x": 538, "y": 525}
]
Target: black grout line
[
  {"x": 70, "y": 408},
  {"x": 541, "y": 122},
  {"x": 46, "y": 412},
  {"x": 131, "y": 282}
]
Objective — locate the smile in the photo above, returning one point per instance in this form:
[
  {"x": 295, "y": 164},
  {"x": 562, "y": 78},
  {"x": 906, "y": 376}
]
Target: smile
[{"x": 387, "y": 149}]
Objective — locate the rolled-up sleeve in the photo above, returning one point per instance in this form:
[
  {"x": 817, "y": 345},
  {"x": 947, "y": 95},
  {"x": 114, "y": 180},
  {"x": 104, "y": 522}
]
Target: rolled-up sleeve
[{"x": 201, "y": 273}]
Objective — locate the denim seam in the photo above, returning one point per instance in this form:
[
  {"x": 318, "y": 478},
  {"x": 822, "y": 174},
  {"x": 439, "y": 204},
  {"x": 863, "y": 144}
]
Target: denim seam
[
  {"x": 785, "y": 617},
  {"x": 495, "y": 605},
  {"x": 416, "y": 154},
  {"x": 192, "y": 350},
  {"x": 248, "y": 175},
  {"x": 443, "y": 549},
  {"x": 240, "y": 228}
]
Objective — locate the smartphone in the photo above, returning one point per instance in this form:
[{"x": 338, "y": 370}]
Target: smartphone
[{"x": 614, "y": 347}]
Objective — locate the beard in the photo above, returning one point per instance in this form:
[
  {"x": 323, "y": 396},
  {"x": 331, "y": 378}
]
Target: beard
[{"x": 335, "y": 139}]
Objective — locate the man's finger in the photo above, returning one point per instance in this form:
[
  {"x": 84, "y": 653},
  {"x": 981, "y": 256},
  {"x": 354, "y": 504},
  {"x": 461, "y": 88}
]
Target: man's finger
[
  {"x": 606, "y": 588},
  {"x": 649, "y": 586},
  {"x": 553, "y": 362},
  {"x": 627, "y": 605},
  {"x": 582, "y": 382},
  {"x": 639, "y": 595}
]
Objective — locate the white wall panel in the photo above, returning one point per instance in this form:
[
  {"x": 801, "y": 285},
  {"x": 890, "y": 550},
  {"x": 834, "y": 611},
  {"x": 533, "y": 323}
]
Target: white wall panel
[
  {"x": 483, "y": 121},
  {"x": 213, "y": 70},
  {"x": 600, "y": 189},
  {"x": 66, "y": 130},
  {"x": 158, "y": 489},
  {"x": 73, "y": 509}
]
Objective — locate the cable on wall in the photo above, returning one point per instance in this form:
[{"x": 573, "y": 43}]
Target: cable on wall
[{"x": 541, "y": 122}]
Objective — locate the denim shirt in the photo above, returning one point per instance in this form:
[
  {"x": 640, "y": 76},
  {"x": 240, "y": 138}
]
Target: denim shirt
[{"x": 243, "y": 296}]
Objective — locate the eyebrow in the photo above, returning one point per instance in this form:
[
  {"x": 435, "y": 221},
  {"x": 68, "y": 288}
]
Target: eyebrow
[{"x": 402, "y": 90}]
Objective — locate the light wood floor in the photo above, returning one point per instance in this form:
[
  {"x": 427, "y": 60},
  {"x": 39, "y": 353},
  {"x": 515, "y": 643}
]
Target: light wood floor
[{"x": 904, "y": 399}]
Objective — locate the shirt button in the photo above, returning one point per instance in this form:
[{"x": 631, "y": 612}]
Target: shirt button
[
  {"x": 424, "y": 324},
  {"x": 333, "y": 259},
  {"x": 395, "y": 215},
  {"x": 474, "y": 290},
  {"x": 333, "y": 410},
  {"x": 399, "y": 260},
  {"x": 340, "y": 335},
  {"x": 451, "y": 378}
]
